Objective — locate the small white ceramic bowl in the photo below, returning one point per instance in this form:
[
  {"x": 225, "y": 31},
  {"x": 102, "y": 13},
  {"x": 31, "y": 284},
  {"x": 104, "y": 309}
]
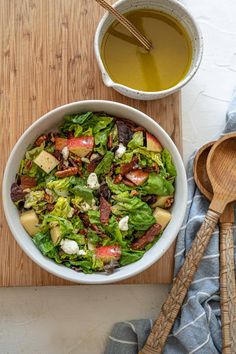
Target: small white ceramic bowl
[
  {"x": 170, "y": 7},
  {"x": 50, "y": 122}
]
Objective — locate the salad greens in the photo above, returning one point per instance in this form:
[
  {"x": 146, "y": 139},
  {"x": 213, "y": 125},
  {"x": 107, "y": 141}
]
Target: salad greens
[{"x": 96, "y": 195}]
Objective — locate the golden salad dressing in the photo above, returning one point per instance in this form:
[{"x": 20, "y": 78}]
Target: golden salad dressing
[{"x": 129, "y": 64}]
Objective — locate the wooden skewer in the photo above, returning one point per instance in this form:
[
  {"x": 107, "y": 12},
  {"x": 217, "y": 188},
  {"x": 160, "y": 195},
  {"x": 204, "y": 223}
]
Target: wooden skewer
[{"x": 127, "y": 24}]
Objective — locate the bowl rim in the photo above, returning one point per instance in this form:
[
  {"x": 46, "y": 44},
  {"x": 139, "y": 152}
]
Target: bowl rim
[
  {"x": 152, "y": 94},
  {"x": 89, "y": 279}
]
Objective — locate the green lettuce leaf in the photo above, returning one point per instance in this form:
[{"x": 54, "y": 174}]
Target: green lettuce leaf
[
  {"x": 44, "y": 244},
  {"x": 127, "y": 157},
  {"x": 78, "y": 118},
  {"x": 136, "y": 141},
  {"x": 114, "y": 132},
  {"x": 83, "y": 192},
  {"x": 139, "y": 212},
  {"x": 76, "y": 201},
  {"x": 112, "y": 229},
  {"x": 78, "y": 130},
  {"x": 80, "y": 239},
  {"x": 65, "y": 225},
  {"x": 116, "y": 188},
  {"x": 62, "y": 208},
  {"x": 128, "y": 257},
  {"x": 77, "y": 123},
  {"x": 105, "y": 165},
  {"x": 101, "y": 141},
  {"x": 33, "y": 198},
  {"x": 158, "y": 185},
  {"x": 94, "y": 217},
  {"x": 86, "y": 266},
  {"x": 149, "y": 155},
  {"x": 77, "y": 223},
  {"x": 168, "y": 163},
  {"x": 103, "y": 122},
  {"x": 60, "y": 184}
]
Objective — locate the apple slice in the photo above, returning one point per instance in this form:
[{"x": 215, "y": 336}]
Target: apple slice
[
  {"x": 81, "y": 146},
  {"x": 138, "y": 177},
  {"x": 152, "y": 143},
  {"x": 60, "y": 143},
  {"x": 162, "y": 217},
  {"x": 108, "y": 253}
]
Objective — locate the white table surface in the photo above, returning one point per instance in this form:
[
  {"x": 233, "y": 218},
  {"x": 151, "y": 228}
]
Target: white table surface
[{"x": 76, "y": 320}]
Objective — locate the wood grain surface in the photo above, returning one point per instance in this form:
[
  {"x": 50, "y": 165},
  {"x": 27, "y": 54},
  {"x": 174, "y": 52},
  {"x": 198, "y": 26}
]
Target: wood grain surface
[{"x": 46, "y": 60}]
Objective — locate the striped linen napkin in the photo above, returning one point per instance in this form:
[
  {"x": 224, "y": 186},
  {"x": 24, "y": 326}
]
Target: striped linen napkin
[{"x": 198, "y": 327}]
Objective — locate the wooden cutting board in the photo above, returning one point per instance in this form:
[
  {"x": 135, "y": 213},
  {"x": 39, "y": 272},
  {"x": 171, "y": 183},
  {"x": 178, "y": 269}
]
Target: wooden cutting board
[{"x": 46, "y": 60}]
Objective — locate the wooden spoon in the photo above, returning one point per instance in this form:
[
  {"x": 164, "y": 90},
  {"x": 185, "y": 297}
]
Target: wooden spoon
[
  {"x": 127, "y": 24},
  {"x": 227, "y": 271},
  {"x": 221, "y": 169}
]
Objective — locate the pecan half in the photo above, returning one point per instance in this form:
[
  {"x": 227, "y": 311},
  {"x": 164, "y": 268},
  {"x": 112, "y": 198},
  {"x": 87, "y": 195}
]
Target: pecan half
[
  {"x": 147, "y": 238},
  {"x": 40, "y": 140},
  {"x": 71, "y": 171}
]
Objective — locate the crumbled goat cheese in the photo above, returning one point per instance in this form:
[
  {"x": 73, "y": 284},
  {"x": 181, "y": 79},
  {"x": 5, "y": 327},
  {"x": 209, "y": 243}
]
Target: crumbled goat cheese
[
  {"x": 94, "y": 156},
  {"x": 70, "y": 246},
  {"x": 65, "y": 153},
  {"x": 85, "y": 159},
  {"x": 120, "y": 151},
  {"x": 92, "y": 181},
  {"x": 123, "y": 223},
  {"x": 85, "y": 206}
]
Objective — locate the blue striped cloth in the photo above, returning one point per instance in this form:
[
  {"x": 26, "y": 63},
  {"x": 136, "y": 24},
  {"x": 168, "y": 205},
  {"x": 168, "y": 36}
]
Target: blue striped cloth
[{"x": 198, "y": 327}]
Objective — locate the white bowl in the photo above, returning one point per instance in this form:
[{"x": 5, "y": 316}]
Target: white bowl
[
  {"x": 170, "y": 7},
  {"x": 48, "y": 123}
]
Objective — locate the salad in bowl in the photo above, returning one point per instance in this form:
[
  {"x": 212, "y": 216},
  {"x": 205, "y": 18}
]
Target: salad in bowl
[{"x": 96, "y": 193}]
